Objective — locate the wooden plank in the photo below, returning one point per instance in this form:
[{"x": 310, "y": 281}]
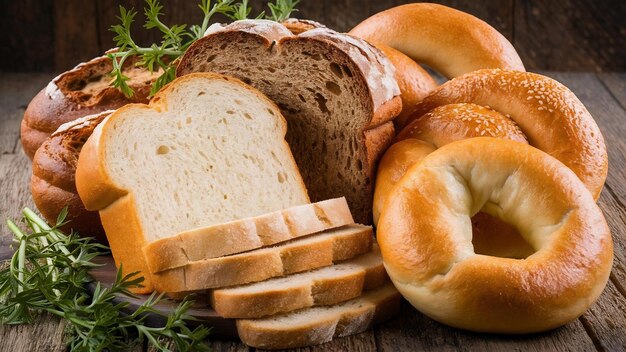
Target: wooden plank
[
  {"x": 16, "y": 91},
  {"x": 27, "y": 40},
  {"x": 616, "y": 84},
  {"x": 215, "y": 345},
  {"x": 414, "y": 331},
  {"x": 45, "y": 334},
  {"x": 605, "y": 320},
  {"x": 14, "y": 183},
  {"x": 571, "y": 35},
  {"x": 76, "y": 29}
]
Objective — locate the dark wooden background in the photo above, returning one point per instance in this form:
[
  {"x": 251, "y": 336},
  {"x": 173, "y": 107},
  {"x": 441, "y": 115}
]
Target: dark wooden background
[{"x": 564, "y": 35}]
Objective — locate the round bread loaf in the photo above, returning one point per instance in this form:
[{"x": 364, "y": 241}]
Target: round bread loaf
[
  {"x": 82, "y": 91},
  {"x": 550, "y": 116},
  {"x": 425, "y": 236},
  {"x": 53, "y": 183},
  {"x": 450, "y": 41}
]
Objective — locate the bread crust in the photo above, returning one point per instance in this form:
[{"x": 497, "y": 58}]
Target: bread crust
[
  {"x": 261, "y": 264},
  {"x": 53, "y": 185},
  {"x": 246, "y": 234},
  {"x": 298, "y": 26},
  {"x": 67, "y": 98},
  {"x": 551, "y": 117},
  {"x": 450, "y": 41},
  {"x": 350, "y": 280},
  {"x": 426, "y": 247},
  {"x": 324, "y": 323}
]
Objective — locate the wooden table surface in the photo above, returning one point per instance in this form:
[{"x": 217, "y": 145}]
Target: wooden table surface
[{"x": 602, "y": 327}]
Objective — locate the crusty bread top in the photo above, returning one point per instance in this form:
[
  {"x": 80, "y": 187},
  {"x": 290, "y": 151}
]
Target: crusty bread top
[
  {"x": 297, "y": 25},
  {"x": 376, "y": 68},
  {"x": 88, "y": 83}
]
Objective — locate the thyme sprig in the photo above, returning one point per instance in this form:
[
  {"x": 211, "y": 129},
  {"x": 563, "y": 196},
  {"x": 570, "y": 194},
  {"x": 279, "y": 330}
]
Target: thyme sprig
[
  {"x": 176, "y": 38},
  {"x": 49, "y": 272}
]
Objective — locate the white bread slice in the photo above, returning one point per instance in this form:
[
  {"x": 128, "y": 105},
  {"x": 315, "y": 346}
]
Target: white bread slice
[
  {"x": 313, "y": 326},
  {"x": 246, "y": 234},
  {"x": 208, "y": 149},
  {"x": 326, "y": 286},
  {"x": 303, "y": 254}
]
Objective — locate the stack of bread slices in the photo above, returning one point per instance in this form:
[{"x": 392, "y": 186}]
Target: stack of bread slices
[
  {"x": 200, "y": 192},
  {"x": 326, "y": 280}
]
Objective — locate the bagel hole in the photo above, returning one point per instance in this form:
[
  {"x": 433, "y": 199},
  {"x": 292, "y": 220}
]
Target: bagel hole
[{"x": 493, "y": 237}]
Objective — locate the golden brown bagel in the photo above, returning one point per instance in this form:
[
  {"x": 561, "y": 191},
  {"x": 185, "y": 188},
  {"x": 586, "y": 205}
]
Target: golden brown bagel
[
  {"x": 425, "y": 238},
  {"x": 450, "y": 41},
  {"x": 443, "y": 125},
  {"x": 550, "y": 116},
  {"x": 414, "y": 82}
]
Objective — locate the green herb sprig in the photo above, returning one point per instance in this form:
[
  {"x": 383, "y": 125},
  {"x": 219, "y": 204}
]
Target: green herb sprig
[
  {"x": 49, "y": 272},
  {"x": 176, "y": 38},
  {"x": 282, "y": 9}
]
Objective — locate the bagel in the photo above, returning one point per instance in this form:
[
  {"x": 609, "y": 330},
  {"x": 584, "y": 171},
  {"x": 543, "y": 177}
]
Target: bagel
[
  {"x": 550, "y": 116},
  {"x": 450, "y": 41},
  {"x": 442, "y": 125},
  {"x": 425, "y": 237},
  {"x": 414, "y": 82}
]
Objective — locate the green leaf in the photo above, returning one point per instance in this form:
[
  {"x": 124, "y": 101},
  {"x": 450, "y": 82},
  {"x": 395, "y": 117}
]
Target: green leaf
[
  {"x": 282, "y": 9},
  {"x": 50, "y": 272}
]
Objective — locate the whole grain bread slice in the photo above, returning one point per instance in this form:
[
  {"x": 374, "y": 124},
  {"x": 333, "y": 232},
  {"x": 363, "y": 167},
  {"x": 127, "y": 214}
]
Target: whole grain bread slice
[
  {"x": 313, "y": 326},
  {"x": 326, "y": 286},
  {"x": 246, "y": 234},
  {"x": 337, "y": 92},
  {"x": 295, "y": 256},
  {"x": 207, "y": 150}
]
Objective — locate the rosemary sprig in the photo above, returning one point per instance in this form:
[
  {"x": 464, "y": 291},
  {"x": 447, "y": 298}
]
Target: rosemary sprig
[
  {"x": 176, "y": 38},
  {"x": 49, "y": 273},
  {"x": 282, "y": 9}
]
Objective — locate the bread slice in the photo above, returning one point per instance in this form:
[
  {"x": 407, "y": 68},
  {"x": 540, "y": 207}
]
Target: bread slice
[
  {"x": 329, "y": 285},
  {"x": 313, "y": 326},
  {"x": 337, "y": 92},
  {"x": 303, "y": 254},
  {"x": 246, "y": 234},
  {"x": 208, "y": 149}
]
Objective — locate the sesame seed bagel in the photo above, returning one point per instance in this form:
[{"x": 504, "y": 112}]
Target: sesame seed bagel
[
  {"x": 450, "y": 41},
  {"x": 442, "y": 125},
  {"x": 550, "y": 116},
  {"x": 425, "y": 236}
]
